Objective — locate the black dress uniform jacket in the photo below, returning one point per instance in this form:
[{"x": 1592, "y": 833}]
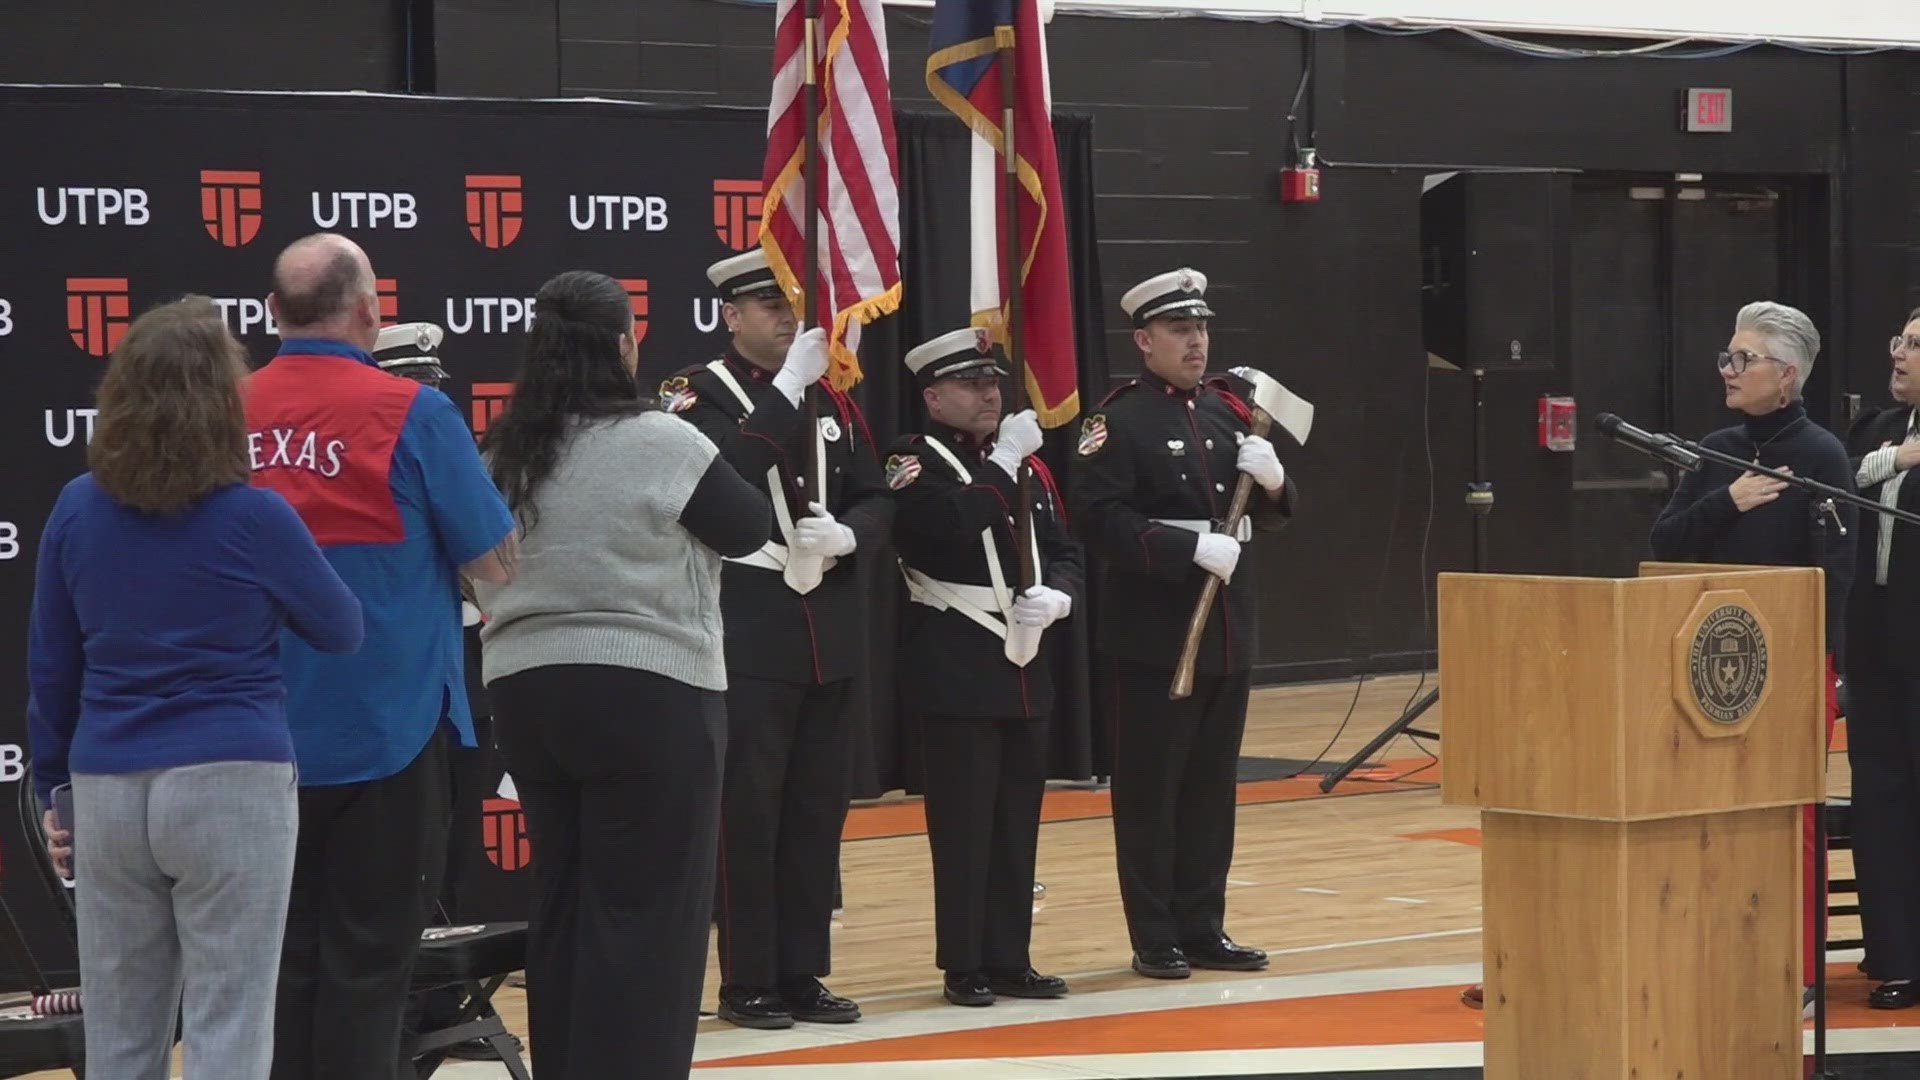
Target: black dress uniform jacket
[
  {"x": 1154, "y": 451},
  {"x": 959, "y": 667},
  {"x": 772, "y": 631},
  {"x": 1701, "y": 524},
  {"x": 1883, "y": 637}
]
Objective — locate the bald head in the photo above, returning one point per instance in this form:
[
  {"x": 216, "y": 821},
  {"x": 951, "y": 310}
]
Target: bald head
[{"x": 323, "y": 287}]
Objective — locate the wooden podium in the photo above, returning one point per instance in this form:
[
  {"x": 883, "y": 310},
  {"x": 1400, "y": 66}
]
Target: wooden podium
[{"x": 1639, "y": 749}]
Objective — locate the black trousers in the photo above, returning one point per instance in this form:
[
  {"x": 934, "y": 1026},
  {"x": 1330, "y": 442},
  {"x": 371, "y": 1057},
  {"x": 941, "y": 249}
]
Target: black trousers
[
  {"x": 1175, "y": 765},
  {"x": 789, "y": 762},
  {"x": 466, "y": 771},
  {"x": 368, "y": 858},
  {"x": 984, "y": 782},
  {"x": 1883, "y": 748},
  {"x": 619, "y": 774}
]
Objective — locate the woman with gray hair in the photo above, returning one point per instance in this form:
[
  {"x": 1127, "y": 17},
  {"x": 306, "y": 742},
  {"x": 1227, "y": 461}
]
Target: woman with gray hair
[{"x": 1722, "y": 515}]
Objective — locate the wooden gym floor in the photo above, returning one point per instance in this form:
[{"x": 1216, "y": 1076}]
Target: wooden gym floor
[{"x": 1367, "y": 900}]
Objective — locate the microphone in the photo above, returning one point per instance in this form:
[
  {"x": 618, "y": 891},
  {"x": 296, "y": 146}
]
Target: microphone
[{"x": 1664, "y": 447}]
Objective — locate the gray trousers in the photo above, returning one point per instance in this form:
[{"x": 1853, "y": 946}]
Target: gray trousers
[{"x": 181, "y": 877}]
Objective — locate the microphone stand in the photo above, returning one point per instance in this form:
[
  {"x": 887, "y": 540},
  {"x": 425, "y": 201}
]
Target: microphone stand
[{"x": 1824, "y": 497}]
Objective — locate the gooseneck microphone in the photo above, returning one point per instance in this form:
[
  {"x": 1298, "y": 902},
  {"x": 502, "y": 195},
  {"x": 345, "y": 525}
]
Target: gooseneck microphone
[{"x": 1664, "y": 447}]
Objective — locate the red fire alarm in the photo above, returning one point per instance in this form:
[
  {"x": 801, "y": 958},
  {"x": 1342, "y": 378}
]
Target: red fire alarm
[
  {"x": 1556, "y": 423},
  {"x": 1301, "y": 184}
]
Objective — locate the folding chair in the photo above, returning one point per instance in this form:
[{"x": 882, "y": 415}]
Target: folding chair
[
  {"x": 30, "y": 1044},
  {"x": 477, "y": 960}
]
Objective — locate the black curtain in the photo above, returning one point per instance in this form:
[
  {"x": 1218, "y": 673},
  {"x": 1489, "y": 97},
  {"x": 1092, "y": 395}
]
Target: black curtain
[{"x": 935, "y": 155}]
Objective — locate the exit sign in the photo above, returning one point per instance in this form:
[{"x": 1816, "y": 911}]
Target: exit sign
[{"x": 1709, "y": 109}]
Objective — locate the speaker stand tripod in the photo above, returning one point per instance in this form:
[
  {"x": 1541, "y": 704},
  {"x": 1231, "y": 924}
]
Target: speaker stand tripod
[{"x": 1480, "y": 502}]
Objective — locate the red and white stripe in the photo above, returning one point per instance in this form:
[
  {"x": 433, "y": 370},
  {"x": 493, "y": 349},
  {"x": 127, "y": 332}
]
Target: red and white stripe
[{"x": 859, "y": 237}]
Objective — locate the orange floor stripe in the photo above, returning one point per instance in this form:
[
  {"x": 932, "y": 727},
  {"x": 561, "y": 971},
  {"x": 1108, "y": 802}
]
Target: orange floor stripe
[
  {"x": 1469, "y": 837},
  {"x": 1429, "y": 1014},
  {"x": 907, "y": 818}
]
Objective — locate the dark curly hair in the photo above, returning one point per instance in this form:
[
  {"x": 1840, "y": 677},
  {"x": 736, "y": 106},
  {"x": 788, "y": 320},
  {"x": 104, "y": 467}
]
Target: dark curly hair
[
  {"x": 572, "y": 370},
  {"x": 172, "y": 425}
]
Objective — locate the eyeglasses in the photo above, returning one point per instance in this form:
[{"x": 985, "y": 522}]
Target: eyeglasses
[
  {"x": 1907, "y": 343},
  {"x": 1738, "y": 360}
]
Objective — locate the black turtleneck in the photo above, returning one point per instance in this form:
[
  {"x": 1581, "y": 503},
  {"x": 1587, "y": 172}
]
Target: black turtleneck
[{"x": 1701, "y": 524}]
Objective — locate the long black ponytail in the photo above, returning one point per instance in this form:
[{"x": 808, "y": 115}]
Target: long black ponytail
[{"x": 572, "y": 370}]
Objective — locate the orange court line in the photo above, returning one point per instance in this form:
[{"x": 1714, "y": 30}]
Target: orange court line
[
  {"x": 905, "y": 817},
  {"x": 1469, "y": 837},
  {"x": 1379, "y": 1018}
]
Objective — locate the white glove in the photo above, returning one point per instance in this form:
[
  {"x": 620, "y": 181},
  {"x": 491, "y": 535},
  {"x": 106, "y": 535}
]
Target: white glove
[
  {"x": 1019, "y": 436},
  {"x": 1217, "y": 554},
  {"x": 1042, "y": 606},
  {"x": 820, "y": 536},
  {"x": 806, "y": 362},
  {"x": 1258, "y": 460}
]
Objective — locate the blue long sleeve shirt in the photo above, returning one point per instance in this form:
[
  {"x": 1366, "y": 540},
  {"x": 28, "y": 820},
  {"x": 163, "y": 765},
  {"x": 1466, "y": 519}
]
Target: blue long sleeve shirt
[{"x": 155, "y": 641}]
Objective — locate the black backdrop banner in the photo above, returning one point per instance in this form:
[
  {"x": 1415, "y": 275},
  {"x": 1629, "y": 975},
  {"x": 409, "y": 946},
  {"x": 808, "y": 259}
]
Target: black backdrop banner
[{"x": 117, "y": 199}]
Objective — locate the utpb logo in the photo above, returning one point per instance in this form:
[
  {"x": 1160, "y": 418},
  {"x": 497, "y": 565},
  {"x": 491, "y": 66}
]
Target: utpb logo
[
  {"x": 736, "y": 212},
  {"x": 365, "y": 209},
  {"x": 637, "y": 296},
  {"x": 617, "y": 212},
  {"x": 97, "y": 313},
  {"x": 503, "y": 832},
  {"x": 489, "y": 401},
  {"x": 92, "y": 205},
  {"x": 389, "y": 290},
  {"x": 494, "y": 209},
  {"x": 230, "y": 205}
]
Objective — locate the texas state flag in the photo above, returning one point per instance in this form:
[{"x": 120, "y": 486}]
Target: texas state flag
[{"x": 964, "y": 74}]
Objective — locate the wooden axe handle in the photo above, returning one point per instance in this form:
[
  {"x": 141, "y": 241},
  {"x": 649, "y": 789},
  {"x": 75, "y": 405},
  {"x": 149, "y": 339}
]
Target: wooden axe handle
[{"x": 1197, "y": 626}]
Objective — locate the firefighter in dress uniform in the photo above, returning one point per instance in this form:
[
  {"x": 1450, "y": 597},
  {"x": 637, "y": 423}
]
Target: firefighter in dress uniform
[
  {"x": 1154, "y": 473},
  {"x": 412, "y": 351},
  {"x": 795, "y": 641},
  {"x": 976, "y": 645}
]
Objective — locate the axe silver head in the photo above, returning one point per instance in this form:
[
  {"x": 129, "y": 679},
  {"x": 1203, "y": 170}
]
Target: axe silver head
[{"x": 1288, "y": 409}]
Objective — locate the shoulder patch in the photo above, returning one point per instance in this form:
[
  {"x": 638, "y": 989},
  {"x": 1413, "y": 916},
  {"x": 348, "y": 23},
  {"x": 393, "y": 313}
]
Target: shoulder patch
[
  {"x": 902, "y": 469},
  {"x": 1093, "y": 434},
  {"x": 676, "y": 395}
]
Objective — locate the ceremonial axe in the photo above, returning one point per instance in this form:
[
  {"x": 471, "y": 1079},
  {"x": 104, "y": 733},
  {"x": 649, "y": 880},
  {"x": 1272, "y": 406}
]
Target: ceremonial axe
[{"x": 1272, "y": 404}]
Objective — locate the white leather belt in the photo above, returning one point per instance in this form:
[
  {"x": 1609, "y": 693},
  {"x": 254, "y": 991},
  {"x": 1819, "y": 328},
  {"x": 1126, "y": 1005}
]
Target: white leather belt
[
  {"x": 1201, "y": 525},
  {"x": 772, "y": 556},
  {"x": 976, "y": 602}
]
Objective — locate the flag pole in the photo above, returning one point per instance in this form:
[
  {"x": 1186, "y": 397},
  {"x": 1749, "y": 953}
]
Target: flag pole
[
  {"x": 810, "y": 315},
  {"x": 1004, "y": 41}
]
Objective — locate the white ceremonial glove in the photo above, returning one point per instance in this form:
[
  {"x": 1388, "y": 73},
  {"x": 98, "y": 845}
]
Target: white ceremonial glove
[
  {"x": 1217, "y": 554},
  {"x": 806, "y": 362},
  {"x": 820, "y": 536},
  {"x": 1019, "y": 436},
  {"x": 1042, "y": 606},
  {"x": 1258, "y": 460}
]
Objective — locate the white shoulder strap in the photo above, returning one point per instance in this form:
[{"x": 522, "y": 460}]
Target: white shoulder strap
[{"x": 719, "y": 368}]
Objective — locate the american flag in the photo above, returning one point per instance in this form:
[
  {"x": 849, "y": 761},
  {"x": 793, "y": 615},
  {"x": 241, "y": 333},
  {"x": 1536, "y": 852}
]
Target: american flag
[{"x": 859, "y": 237}]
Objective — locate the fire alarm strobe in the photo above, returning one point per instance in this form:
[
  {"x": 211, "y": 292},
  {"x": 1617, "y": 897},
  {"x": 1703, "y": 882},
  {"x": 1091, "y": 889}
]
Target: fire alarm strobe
[{"x": 1301, "y": 183}]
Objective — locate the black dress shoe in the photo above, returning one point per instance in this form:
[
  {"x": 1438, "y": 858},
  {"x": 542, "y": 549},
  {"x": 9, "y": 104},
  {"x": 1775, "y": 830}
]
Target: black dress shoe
[
  {"x": 1027, "y": 984},
  {"x": 809, "y": 1001},
  {"x": 968, "y": 988},
  {"x": 1166, "y": 963},
  {"x": 754, "y": 1007},
  {"x": 1221, "y": 954},
  {"x": 1895, "y": 995}
]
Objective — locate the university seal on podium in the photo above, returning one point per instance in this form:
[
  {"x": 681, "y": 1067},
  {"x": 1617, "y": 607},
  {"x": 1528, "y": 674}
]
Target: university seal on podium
[{"x": 1727, "y": 664}]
